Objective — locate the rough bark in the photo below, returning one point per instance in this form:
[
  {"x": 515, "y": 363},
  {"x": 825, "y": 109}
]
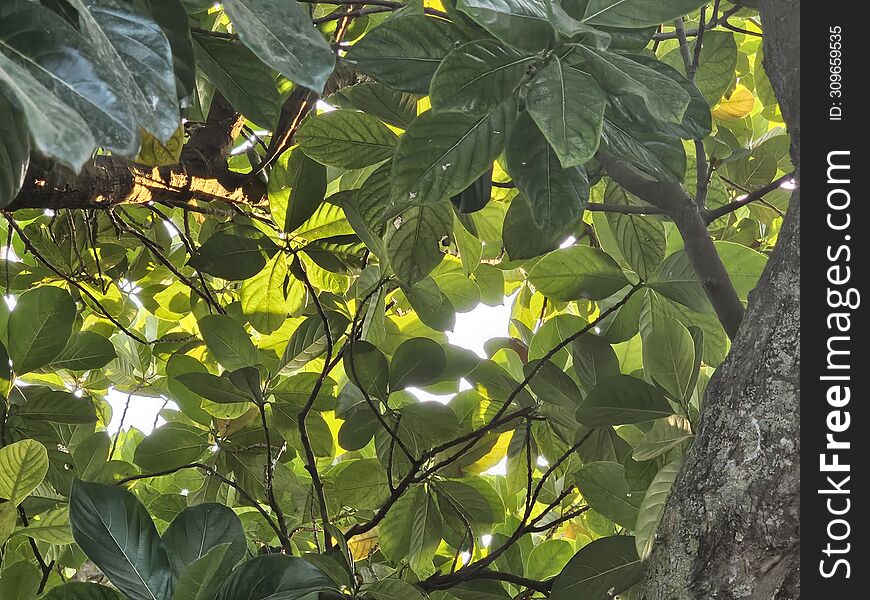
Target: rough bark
[{"x": 731, "y": 525}]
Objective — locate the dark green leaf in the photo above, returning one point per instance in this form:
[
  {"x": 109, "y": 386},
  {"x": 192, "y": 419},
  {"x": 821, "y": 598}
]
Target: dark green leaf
[
  {"x": 40, "y": 327},
  {"x": 172, "y": 445},
  {"x": 237, "y": 73},
  {"x": 557, "y": 195},
  {"x": 229, "y": 257},
  {"x": 85, "y": 350},
  {"x": 367, "y": 368},
  {"x": 604, "y": 488},
  {"x": 282, "y": 35},
  {"x": 198, "y": 529},
  {"x": 521, "y": 23},
  {"x": 568, "y": 106},
  {"x": 577, "y": 272},
  {"x": 274, "y": 577},
  {"x": 637, "y": 13},
  {"x": 391, "y": 106},
  {"x": 416, "y": 362},
  {"x": 622, "y": 399},
  {"x": 32, "y": 36},
  {"x": 115, "y": 531},
  {"x": 14, "y": 150},
  {"x": 405, "y": 51},
  {"x": 79, "y": 590},
  {"x": 600, "y": 570},
  {"x": 297, "y": 186},
  {"x": 641, "y": 240},
  {"x": 129, "y": 40},
  {"x": 346, "y": 139},
  {"x": 228, "y": 341},
  {"x": 477, "y": 77},
  {"x": 414, "y": 240},
  {"x": 441, "y": 154},
  {"x": 660, "y": 156}
]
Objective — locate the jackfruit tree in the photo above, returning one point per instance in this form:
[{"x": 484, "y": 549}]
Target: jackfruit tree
[{"x": 264, "y": 216}]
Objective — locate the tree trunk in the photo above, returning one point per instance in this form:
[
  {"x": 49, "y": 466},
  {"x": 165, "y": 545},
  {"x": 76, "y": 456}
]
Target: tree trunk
[{"x": 731, "y": 525}]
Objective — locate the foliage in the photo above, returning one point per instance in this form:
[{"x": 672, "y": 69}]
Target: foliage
[{"x": 289, "y": 309}]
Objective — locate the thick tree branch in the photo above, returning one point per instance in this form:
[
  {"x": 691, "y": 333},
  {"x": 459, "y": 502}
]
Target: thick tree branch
[{"x": 697, "y": 241}]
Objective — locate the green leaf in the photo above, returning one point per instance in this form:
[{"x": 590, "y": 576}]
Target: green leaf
[
  {"x": 593, "y": 360},
  {"x": 716, "y": 67},
  {"x": 393, "y": 589},
  {"x": 346, "y": 139},
  {"x": 604, "y": 488},
  {"x": 577, "y": 272},
  {"x": 697, "y": 121},
  {"x": 115, "y": 531},
  {"x": 14, "y": 150},
  {"x": 414, "y": 240},
  {"x": 653, "y": 506},
  {"x": 275, "y": 577},
  {"x": 20, "y": 580},
  {"x": 660, "y": 156},
  {"x": 412, "y": 531},
  {"x": 40, "y": 327},
  {"x": 568, "y": 106},
  {"x": 641, "y": 240},
  {"x": 8, "y": 518},
  {"x": 264, "y": 302},
  {"x": 309, "y": 339},
  {"x": 477, "y": 77},
  {"x": 744, "y": 266},
  {"x": 71, "y": 144},
  {"x": 676, "y": 279},
  {"x": 416, "y": 362},
  {"x": 237, "y": 73},
  {"x": 213, "y": 388},
  {"x": 441, "y": 154},
  {"x": 600, "y": 570},
  {"x": 636, "y": 14},
  {"x": 404, "y": 52},
  {"x": 44, "y": 404},
  {"x": 228, "y": 341},
  {"x": 475, "y": 499},
  {"x": 170, "y": 446},
  {"x": 130, "y": 40},
  {"x": 172, "y": 18},
  {"x": 548, "y": 558},
  {"x": 367, "y": 368},
  {"x": 85, "y": 350},
  {"x": 557, "y": 195},
  {"x": 229, "y": 257},
  {"x": 391, "y": 106},
  {"x": 282, "y": 35},
  {"x": 23, "y": 466},
  {"x": 51, "y": 527},
  {"x": 31, "y": 35},
  {"x": 622, "y": 399},
  {"x": 361, "y": 485},
  {"x": 79, "y": 590},
  {"x": 197, "y": 530},
  {"x": 297, "y": 186},
  {"x": 201, "y": 578},
  {"x": 619, "y": 75},
  {"x": 521, "y": 23},
  {"x": 664, "y": 435},
  {"x": 669, "y": 357}
]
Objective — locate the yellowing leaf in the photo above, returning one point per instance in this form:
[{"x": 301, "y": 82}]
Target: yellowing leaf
[
  {"x": 493, "y": 457},
  {"x": 362, "y": 546},
  {"x": 156, "y": 154},
  {"x": 736, "y": 106}
]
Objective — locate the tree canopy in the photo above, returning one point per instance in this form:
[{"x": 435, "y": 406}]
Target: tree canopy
[{"x": 267, "y": 213}]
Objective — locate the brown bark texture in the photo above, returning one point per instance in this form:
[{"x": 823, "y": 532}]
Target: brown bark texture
[{"x": 731, "y": 526}]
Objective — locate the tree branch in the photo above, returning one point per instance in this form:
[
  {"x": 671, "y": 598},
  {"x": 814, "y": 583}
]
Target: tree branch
[
  {"x": 712, "y": 215},
  {"x": 692, "y": 226}
]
